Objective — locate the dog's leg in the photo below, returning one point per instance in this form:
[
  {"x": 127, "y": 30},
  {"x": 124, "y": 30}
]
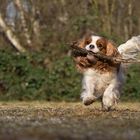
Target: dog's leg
[
  {"x": 110, "y": 96},
  {"x": 88, "y": 86}
]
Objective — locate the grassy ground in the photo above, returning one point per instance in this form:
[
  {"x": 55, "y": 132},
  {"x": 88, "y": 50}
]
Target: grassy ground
[{"x": 65, "y": 121}]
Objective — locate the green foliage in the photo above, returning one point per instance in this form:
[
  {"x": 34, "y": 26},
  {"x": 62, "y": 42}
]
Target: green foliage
[
  {"x": 24, "y": 77},
  {"x": 63, "y": 80},
  {"x": 132, "y": 87}
]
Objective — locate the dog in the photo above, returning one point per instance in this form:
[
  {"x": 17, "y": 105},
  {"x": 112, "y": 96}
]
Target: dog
[{"x": 101, "y": 79}]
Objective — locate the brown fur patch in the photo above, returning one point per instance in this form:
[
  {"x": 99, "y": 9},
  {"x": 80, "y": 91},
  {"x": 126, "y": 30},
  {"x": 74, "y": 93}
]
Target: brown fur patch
[
  {"x": 111, "y": 50},
  {"x": 107, "y": 48},
  {"x": 101, "y": 44},
  {"x": 105, "y": 67},
  {"x": 84, "y": 41}
]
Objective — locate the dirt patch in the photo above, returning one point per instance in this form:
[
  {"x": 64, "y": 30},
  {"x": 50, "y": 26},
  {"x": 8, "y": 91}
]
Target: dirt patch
[{"x": 64, "y": 121}]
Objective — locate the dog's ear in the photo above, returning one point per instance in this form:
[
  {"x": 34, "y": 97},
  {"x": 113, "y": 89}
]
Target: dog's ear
[
  {"x": 81, "y": 43},
  {"x": 111, "y": 50},
  {"x": 73, "y": 44}
]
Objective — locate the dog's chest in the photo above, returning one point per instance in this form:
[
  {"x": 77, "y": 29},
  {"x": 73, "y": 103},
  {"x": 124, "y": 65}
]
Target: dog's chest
[{"x": 99, "y": 80}]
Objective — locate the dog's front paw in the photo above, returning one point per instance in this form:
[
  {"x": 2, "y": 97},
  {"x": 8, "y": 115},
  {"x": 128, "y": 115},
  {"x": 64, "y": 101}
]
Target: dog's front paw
[
  {"x": 88, "y": 100},
  {"x": 108, "y": 104}
]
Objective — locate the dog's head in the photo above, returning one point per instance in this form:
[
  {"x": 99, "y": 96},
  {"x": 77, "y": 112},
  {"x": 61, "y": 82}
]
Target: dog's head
[{"x": 98, "y": 44}]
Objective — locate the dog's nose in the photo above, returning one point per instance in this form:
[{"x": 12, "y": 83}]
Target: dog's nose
[{"x": 91, "y": 46}]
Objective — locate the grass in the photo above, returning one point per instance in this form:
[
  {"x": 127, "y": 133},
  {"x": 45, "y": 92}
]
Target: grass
[{"x": 64, "y": 121}]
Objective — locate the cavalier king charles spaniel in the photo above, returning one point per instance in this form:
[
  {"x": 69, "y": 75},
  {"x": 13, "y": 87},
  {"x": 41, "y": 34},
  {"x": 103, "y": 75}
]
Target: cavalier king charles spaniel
[{"x": 101, "y": 79}]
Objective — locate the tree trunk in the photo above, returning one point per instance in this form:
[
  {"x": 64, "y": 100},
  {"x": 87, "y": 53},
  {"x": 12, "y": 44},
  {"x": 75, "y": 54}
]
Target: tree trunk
[
  {"x": 10, "y": 35},
  {"x": 23, "y": 22},
  {"x": 35, "y": 21},
  {"x": 130, "y": 12},
  {"x": 107, "y": 23}
]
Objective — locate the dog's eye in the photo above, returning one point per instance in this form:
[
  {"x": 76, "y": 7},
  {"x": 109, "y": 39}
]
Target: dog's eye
[{"x": 100, "y": 45}]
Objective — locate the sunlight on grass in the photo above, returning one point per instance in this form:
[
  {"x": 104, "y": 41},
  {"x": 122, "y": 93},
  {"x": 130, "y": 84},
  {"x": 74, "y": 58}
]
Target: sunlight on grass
[{"x": 62, "y": 120}]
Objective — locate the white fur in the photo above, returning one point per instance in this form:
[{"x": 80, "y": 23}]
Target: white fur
[
  {"x": 106, "y": 85},
  {"x": 93, "y": 42}
]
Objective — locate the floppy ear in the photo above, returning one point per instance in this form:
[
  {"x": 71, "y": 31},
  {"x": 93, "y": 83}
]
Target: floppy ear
[
  {"x": 111, "y": 50},
  {"x": 81, "y": 43}
]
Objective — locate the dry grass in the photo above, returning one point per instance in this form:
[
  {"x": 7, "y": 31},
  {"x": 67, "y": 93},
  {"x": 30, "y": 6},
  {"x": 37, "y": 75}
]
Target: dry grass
[{"x": 54, "y": 121}]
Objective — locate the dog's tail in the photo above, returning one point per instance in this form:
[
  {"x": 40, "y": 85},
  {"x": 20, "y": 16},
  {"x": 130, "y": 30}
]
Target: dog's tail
[{"x": 131, "y": 48}]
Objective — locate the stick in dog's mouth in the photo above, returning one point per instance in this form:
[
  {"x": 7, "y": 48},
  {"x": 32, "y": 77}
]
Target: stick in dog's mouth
[{"x": 77, "y": 51}]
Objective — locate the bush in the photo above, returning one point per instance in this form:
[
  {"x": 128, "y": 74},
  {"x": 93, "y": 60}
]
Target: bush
[
  {"x": 131, "y": 89},
  {"x": 25, "y": 77}
]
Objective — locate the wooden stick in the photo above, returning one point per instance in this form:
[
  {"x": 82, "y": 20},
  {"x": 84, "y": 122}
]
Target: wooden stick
[{"x": 76, "y": 51}]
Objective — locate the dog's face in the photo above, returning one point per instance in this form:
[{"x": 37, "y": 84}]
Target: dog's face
[
  {"x": 92, "y": 44},
  {"x": 98, "y": 44}
]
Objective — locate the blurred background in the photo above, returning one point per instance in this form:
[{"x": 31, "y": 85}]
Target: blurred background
[{"x": 34, "y": 36}]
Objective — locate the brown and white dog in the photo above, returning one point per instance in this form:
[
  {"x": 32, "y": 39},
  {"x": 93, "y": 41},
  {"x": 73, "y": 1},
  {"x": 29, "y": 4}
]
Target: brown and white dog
[{"x": 101, "y": 79}]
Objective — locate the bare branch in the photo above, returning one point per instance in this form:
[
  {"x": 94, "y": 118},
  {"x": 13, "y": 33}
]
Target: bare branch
[{"x": 10, "y": 35}]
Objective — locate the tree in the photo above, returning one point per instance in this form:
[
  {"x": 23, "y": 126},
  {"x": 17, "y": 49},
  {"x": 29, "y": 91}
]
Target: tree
[
  {"x": 37, "y": 24},
  {"x": 10, "y": 35},
  {"x": 20, "y": 23}
]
